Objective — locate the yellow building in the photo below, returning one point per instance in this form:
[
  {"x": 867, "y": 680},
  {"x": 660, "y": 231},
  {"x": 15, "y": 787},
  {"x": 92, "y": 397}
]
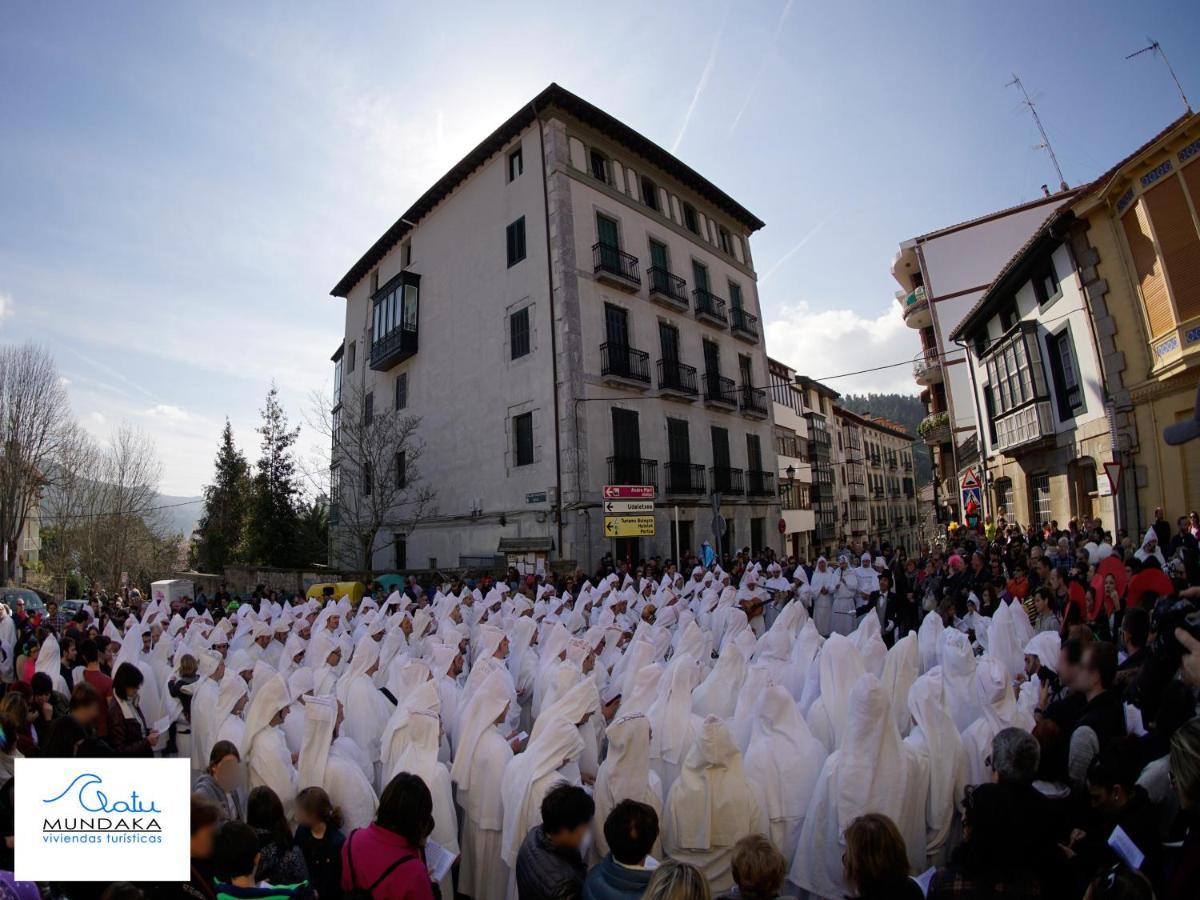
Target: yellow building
[{"x": 1136, "y": 243}]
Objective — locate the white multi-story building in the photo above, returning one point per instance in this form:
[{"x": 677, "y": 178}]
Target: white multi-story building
[
  {"x": 792, "y": 451},
  {"x": 942, "y": 275},
  {"x": 569, "y": 306}
]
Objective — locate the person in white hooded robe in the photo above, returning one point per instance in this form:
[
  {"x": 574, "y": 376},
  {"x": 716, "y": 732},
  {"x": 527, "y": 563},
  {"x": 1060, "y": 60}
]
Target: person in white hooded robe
[
  {"x": 872, "y": 771},
  {"x": 528, "y": 777},
  {"x": 712, "y": 806},
  {"x": 480, "y": 761},
  {"x": 231, "y": 700},
  {"x": 958, "y": 677},
  {"x": 367, "y": 710},
  {"x": 839, "y": 667},
  {"x": 999, "y": 711},
  {"x": 718, "y": 694},
  {"x": 264, "y": 748},
  {"x": 321, "y": 765},
  {"x": 845, "y": 597},
  {"x": 784, "y": 761},
  {"x": 820, "y": 588},
  {"x": 673, "y": 725},
  {"x": 943, "y": 761},
  {"x": 900, "y": 670},
  {"x": 625, "y": 774}
]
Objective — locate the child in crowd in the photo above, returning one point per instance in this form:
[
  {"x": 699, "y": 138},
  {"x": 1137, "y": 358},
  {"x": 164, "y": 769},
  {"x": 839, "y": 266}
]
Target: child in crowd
[{"x": 320, "y": 837}]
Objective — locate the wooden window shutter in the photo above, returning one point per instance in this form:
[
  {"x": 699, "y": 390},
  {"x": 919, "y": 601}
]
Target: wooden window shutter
[
  {"x": 1179, "y": 243},
  {"x": 1148, "y": 267}
]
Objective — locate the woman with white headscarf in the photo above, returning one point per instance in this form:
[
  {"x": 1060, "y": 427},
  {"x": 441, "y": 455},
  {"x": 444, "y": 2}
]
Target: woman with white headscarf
[
  {"x": 784, "y": 761},
  {"x": 839, "y": 667},
  {"x": 529, "y": 776},
  {"x": 205, "y": 691},
  {"x": 324, "y": 658},
  {"x": 625, "y": 774},
  {"x": 872, "y": 772},
  {"x": 999, "y": 711},
  {"x": 49, "y": 662},
  {"x": 523, "y": 664},
  {"x": 480, "y": 760},
  {"x": 821, "y": 587},
  {"x": 845, "y": 597},
  {"x": 322, "y": 765},
  {"x": 711, "y": 806},
  {"x": 579, "y": 704},
  {"x": 943, "y": 761},
  {"x": 268, "y": 760},
  {"x": 1150, "y": 549}
]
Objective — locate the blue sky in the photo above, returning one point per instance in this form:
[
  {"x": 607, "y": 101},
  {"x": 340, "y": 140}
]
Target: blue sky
[{"x": 182, "y": 183}]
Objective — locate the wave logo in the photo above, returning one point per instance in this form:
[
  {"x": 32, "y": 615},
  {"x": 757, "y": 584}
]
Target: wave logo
[{"x": 85, "y": 788}]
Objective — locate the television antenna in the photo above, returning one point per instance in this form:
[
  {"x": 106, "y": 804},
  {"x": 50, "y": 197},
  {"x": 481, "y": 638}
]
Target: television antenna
[
  {"x": 1045, "y": 144},
  {"x": 1156, "y": 48}
]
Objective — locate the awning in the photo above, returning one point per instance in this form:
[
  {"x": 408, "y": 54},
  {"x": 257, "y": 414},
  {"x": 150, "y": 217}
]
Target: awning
[{"x": 526, "y": 545}]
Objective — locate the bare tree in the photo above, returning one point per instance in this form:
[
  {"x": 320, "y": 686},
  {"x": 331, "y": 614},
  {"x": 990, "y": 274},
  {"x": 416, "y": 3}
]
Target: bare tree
[
  {"x": 70, "y": 499},
  {"x": 34, "y": 417},
  {"x": 130, "y": 476},
  {"x": 375, "y": 485}
]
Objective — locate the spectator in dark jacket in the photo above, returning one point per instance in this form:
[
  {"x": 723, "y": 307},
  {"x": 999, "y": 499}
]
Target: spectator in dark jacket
[
  {"x": 549, "y": 863},
  {"x": 128, "y": 733},
  {"x": 630, "y": 830}
]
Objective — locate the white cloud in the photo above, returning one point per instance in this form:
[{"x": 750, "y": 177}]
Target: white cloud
[
  {"x": 6, "y": 306},
  {"x": 829, "y": 342},
  {"x": 168, "y": 412}
]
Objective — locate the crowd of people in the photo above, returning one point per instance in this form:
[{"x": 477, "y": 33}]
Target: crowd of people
[{"x": 1014, "y": 714}]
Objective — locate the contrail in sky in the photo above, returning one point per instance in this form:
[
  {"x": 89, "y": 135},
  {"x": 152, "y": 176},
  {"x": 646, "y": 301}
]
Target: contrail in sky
[
  {"x": 804, "y": 240},
  {"x": 712, "y": 56},
  {"x": 762, "y": 64}
]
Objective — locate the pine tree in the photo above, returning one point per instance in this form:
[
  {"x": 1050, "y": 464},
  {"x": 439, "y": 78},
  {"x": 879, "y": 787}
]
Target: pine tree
[
  {"x": 226, "y": 500},
  {"x": 271, "y": 533}
]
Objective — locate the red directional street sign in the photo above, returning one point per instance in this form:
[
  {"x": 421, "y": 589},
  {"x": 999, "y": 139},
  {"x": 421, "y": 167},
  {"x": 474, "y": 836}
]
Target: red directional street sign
[{"x": 629, "y": 492}]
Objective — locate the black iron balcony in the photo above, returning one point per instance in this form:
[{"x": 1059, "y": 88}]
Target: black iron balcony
[
  {"x": 394, "y": 347},
  {"x": 742, "y": 324},
  {"x": 727, "y": 481},
  {"x": 624, "y": 362},
  {"x": 760, "y": 484},
  {"x": 754, "y": 401},
  {"x": 615, "y": 266},
  {"x": 719, "y": 390},
  {"x": 907, "y": 466},
  {"x": 878, "y": 493},
  {"x": 709, "y": 307},
  {"x": 632, "y": 470},
  {"x": 684, "y": 478},
  {"x": 667, "y": 286},
  {"x": 675, "y": 377}
]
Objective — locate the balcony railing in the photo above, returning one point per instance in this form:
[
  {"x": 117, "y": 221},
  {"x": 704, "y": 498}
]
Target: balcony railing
[
  {"x": 394, "y": 347},
  {"x": 742, "y": 323},
  {"x": 709, "y": 306},
  {"x": 621, "y": 361},
  {"x": 754, "y": 401},
  {"x": 927, "y": 367},
  {"x": 727, "y": 481},
  {"x": 907, "y": 466},
  {"x": 718, "y": 389},
  {"x": 677, "y": 377},
  {"x": 615, "y": 265},
  {"x": 684, "y": 478},
  {"x": 878, "y": 493},
  {"x": 632, "y": 470},
  {"x": 915, "y": 301},
  {"x": 760, "y": 484},
  {"x": 935, "y": 428},
  {"x": 668, "y": 286}
]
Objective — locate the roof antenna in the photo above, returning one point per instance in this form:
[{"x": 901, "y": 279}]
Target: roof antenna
[
  {"x": 1157, "y": 50},
  {"x": 1045, "y": 144}
]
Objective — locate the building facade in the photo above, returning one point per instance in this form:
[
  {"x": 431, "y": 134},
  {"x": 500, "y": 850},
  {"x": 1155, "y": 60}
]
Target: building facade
[
  {"x": 818, "y": 403},
  {"x": 879, "y": 497},
  {"x": 569, "y": 307},
  {"x": 793, "y": 456},
  {"x": 942, "y": 276},
  {"x": 1039, "y": 392}
]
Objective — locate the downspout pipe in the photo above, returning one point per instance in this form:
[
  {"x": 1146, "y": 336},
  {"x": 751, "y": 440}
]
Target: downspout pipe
[{"x": 558, "y": 499}]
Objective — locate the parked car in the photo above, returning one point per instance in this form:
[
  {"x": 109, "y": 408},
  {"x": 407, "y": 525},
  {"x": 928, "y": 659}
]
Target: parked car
[
  {"x": 71, "y": 607},
  {"x": 33, "y": 601}
]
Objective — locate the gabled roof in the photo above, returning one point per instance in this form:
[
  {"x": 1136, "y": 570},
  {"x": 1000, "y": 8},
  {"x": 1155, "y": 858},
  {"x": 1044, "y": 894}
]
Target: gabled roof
[
  {"x": 1060, "y": 196},
  {"x": 1061, "y": 215},
  {"x": 560, "y": 98}
]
